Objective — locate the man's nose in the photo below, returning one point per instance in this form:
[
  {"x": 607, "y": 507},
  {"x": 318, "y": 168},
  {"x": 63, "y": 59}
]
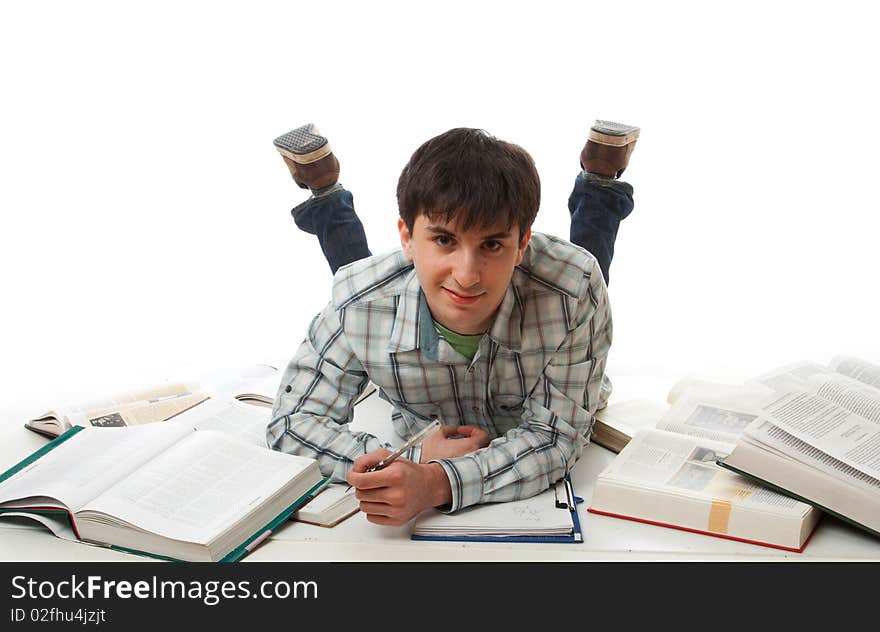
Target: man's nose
[{"x": 467, "y": 270}]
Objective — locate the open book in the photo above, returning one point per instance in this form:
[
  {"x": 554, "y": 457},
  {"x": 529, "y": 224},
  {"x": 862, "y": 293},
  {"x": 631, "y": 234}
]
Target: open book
[
  {"x": 818, "y": 438},
  {"x": 256, "y": 385},
  {"x": 195, "y": 488},
  {"x": 134, "y": 408}
]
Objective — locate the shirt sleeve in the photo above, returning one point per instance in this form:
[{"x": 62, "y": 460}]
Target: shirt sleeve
[
  {"x": 556, "y": 420},
  {"x": 316, "y": 398}
]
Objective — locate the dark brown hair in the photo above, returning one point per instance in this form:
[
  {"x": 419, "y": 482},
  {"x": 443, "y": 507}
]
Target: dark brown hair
[{"x": 470, "y": 177}]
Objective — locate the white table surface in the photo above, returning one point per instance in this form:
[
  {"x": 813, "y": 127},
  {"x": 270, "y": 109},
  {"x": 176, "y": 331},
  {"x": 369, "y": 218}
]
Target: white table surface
[{"x": 605, "y": 538}]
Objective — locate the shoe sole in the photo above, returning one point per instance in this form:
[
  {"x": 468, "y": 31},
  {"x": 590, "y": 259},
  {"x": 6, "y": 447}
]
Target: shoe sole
[
  {"x": 304, "y": 145},
  {"x": 613, "y": 134}
]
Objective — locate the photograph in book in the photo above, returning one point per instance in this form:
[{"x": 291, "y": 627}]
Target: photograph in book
[
  {"x": 672, "y": 480},
  {"x": 163, "y": 490}
]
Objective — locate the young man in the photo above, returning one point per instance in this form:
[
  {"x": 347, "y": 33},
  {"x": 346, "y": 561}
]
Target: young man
[{"x": 501, "y": 334}]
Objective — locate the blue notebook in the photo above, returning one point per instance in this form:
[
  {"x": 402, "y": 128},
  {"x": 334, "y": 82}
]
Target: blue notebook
[{"x": 550, "y": 516}]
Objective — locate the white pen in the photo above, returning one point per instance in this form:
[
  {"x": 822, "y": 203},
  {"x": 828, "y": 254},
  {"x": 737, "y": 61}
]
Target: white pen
[{"x": 417, "y": 439}]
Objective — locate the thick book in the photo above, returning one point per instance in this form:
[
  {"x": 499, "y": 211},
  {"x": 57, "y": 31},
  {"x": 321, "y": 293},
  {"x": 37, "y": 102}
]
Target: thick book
[
  {"x": 330, "y": 506},
  {"x": 818, "y": 439},
  {"x": 550, "y": 517},
  {"x": 672, "y": 480},
  {"x": 616, "y": 424},
  {"x": 177, "y": 490}
]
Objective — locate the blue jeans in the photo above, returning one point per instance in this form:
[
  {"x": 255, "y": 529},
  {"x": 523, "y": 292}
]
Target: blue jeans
[{"x": 597, "y": 205}]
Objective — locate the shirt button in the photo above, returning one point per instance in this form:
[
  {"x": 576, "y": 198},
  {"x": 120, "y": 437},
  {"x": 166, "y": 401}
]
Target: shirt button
[
  {"x": 476, "y": 409},
  {"x": 288, "y": 388}
]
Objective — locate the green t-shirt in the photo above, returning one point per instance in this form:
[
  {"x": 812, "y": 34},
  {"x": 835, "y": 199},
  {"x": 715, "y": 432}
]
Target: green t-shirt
[{"x": 466, "y": 345}]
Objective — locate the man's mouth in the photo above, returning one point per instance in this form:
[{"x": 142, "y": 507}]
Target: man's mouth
[{"x": 462, "y": 299}]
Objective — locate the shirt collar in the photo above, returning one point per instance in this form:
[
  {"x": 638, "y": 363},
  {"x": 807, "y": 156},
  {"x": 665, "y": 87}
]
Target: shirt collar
[{"x": 414, "y": 328}]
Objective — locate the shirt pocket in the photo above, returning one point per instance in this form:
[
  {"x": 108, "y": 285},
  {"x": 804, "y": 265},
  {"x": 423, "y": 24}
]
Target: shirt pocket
[
  {"x": 507, "y": 410},
  {"x": 571, "y": 379},
  {"x": 507, "y": 404}
]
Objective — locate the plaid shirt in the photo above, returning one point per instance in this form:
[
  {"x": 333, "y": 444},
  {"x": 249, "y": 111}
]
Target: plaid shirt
[{"x": 534, "y": 384}]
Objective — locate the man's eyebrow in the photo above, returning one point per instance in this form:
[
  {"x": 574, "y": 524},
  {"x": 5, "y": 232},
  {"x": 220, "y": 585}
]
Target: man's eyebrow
[{"x": 438, "y": 230}]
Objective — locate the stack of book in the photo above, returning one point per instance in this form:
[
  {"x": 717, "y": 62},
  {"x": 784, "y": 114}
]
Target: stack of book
[{"x": 755, "y": 461}]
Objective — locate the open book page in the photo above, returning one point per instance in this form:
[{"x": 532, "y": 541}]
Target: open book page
[
  {"x": 853, "y": 395},
  {"x": 860, "y": 370},
  {"x": 686, "y": 465},
  {"x": 147, "y": 411},
  {"x": 775, "y": 440},
  {"x": 125, "y": 409},
  {"x": 839, "y": 433},
  {"x": 197, "y": 487},
  {"x": 88, "y": 463},
  {"x": 538, "y": 514},
  {"x": 242, "y": 421},
  {"x": 715, "y": 411},
  {"x": 791, "y": 377},
  {"x": 57, "y": 524},
  {"x": 714, "y": 422},
  {"x": 694, "y": 389}
]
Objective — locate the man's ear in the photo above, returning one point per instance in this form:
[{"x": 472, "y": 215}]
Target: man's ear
[
  {"x": 521, "y": 249},
  {"x": 405, "y": 238}
]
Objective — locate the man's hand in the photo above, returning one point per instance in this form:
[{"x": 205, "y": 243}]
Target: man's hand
[
  {"x": 452, "y": 441},
  {"x": 394, "y": 495}
]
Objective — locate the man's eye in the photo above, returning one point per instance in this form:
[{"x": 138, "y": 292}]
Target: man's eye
[
  {"x": 443, "y": 241},
  {"x": 492, "y": 245}
]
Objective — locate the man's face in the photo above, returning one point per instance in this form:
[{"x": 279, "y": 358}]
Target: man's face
[{"x": 464, "y": 274}]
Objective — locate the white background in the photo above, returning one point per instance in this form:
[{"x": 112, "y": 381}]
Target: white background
[{"x": 145, "y": 212}]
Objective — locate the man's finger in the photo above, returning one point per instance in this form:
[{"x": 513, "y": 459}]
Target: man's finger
[
  {"x": 365, "y": 462},
  {"x": 385, "y": 521},
  {"x": 375, "y": 495},
  {"x": 367, "y": 480},
  {"x": 376, "y": 509}
]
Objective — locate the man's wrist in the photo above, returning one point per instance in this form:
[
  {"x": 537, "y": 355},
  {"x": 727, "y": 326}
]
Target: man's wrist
[{"x": 441, "y": 490}]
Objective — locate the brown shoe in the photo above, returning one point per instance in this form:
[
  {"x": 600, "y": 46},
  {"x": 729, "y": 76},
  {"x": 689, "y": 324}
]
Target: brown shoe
[
  {"x": 309, "y": 158},
  {"x": 608, "y": 148}
]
